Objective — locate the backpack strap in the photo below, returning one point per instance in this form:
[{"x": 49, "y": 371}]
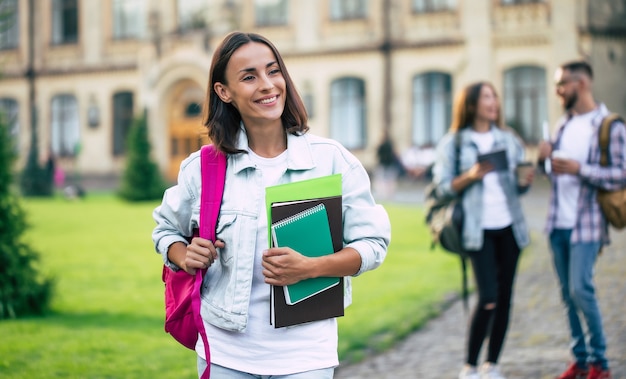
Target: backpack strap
[
  {"x": 213, "y": 169},
  {"x": 462, "y": 257},
  {"x": 604, "y": 136}
]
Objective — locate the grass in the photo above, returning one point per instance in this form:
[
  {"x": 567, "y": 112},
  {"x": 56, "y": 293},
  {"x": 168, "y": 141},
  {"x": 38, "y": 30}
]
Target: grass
[{"x": 107, "y": 313}]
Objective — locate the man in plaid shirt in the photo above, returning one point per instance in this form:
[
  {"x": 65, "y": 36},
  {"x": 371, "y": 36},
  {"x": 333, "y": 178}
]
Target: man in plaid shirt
[{"x": 576, "y": 226}]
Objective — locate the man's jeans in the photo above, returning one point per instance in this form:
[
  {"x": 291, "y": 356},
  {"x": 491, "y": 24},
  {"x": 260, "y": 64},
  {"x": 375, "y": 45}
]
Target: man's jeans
[{"x": 573, "y": 263}]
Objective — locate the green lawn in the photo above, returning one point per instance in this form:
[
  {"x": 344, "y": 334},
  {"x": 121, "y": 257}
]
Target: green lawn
[{"x": 107, "y": 316}]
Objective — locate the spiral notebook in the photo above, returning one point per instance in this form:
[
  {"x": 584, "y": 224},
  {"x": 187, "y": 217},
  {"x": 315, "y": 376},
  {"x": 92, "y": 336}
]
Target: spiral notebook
[{"x": 307, "y": 232}]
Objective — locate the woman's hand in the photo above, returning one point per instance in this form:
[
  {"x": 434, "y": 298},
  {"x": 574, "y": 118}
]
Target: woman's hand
[
  {"x": 475, "y": 173},
  {"x": 201, "y": 253},
  {"x": 479, "y": 170},
  {"x": 283, "y": 266}
]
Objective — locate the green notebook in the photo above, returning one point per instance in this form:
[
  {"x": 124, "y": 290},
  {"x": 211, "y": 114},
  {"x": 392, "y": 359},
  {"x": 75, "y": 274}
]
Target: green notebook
[{"x": 308, "y": 233}]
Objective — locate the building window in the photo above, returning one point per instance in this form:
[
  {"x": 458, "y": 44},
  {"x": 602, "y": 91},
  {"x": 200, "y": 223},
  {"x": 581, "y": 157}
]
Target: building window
[
  {"x": 347, "y": 112},
  {"x": 193, "y": 110},
  {"x": 270, "y": 12},
  {"x": 64, "y": 21},
  {"x": 9, "y": 111},
  {"x": 432, "y": 107},
  {"x": 348, "y": 9},
  {"x": 525, "y": 102},
  {"x": 129, "y": 18},
  {"x": 191, "y": 14},
  {"x": 9, "y": 24},
  {"x": 513, "y": 2},
  {"x": 64, "y": 136},
  {"x": 425, "y": 6},
  {"x": 122, "y": 120}
]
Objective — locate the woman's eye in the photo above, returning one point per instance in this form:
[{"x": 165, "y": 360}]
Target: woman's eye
[
  {"x": 247, "y": 78},
  {"x": 274, "y": 71}
]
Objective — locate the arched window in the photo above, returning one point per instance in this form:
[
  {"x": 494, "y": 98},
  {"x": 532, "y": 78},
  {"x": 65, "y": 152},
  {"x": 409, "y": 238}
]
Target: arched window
[
  {"x": 432, "y": 107},
  {"x": 193, "y": 109},
  {"x": 525, "y": 103},
  {"x": 64, "y": 136},
  {"x": 347, "y": 112},
  {"x": 122, "y": 120},
  {"x": 9, "y": 111}
]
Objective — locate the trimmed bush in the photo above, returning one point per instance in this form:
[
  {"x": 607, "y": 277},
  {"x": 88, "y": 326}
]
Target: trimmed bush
[{"x": 142, "y": 180}]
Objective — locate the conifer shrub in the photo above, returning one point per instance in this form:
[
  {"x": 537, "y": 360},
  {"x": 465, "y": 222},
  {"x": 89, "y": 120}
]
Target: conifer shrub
[
  {"x": 23, "y": 290},
  {"x": 141, "y": 180}
]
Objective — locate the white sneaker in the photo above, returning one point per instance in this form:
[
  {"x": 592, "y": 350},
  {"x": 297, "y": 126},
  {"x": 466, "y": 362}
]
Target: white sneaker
[
  {"x": 469, "y": 372},
  {"x": 490, "y": 371}
]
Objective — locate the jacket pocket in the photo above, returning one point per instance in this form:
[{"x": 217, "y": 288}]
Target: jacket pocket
[{"x": 225, "y": 231}]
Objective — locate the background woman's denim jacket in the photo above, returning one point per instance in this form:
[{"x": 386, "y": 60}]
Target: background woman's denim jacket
[
  {"x": 227, "y": 284},
  {"x": 443, "y": 173}
]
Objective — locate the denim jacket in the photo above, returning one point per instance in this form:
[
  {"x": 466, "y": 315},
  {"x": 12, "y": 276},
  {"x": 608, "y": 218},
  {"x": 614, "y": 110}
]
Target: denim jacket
[
  {"x": 227, "y": 284},
  {"x": 443, "y": 173}
]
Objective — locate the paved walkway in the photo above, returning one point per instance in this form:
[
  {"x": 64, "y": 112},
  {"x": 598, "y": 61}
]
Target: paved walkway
[{"x": 537, "y": 343}]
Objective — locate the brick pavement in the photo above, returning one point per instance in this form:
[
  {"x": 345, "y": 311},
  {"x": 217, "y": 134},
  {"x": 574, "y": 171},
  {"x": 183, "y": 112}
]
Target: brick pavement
[{"x": 537, "y": 342}]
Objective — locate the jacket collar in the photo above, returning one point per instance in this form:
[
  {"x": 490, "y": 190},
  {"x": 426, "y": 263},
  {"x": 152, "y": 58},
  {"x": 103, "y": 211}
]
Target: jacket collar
[{"x": 299, "y": 154}]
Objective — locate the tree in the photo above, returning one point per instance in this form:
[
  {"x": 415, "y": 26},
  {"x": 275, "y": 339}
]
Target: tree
[
  {"x": 141, "y": 180},
  {"x": 23, "y": 291}
]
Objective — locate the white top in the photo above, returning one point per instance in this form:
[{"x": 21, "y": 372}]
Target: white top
[
  {"x": 575, "y": 144},
  {"x": 496, "y": 213},
  {"x": 263, "y": 349}
]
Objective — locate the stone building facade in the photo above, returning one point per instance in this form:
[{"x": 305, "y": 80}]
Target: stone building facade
[{"x": 76, "y": 72}]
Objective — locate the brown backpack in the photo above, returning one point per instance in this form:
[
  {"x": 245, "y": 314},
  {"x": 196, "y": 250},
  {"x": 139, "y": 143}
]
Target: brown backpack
[{"x": 613, "y": 203}]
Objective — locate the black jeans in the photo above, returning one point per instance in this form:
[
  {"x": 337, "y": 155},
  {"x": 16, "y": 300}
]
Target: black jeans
[{"x": 494, "y": 269}]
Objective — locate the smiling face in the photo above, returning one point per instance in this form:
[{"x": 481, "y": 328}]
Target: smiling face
[
  {"x": 488, "y": 107},
  {"x": 254, "y": 85}
]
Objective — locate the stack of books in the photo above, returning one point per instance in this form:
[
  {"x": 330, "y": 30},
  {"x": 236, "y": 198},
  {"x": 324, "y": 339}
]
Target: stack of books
[{"x": 307, "y": 217}]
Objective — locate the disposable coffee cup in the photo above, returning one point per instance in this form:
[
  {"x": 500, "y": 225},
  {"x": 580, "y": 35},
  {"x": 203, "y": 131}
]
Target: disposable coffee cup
[
  {"x": 523, "y": 171},
  {"x": 559, "y": 154}
]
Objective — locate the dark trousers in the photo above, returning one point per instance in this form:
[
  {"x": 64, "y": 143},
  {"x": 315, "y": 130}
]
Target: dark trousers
[{"x": 494, "y": 268}]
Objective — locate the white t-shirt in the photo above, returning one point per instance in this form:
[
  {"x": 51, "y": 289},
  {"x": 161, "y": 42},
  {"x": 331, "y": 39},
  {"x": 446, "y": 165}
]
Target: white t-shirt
[
  {"x": 575, "y": 143},
  {"x": 496, "y": 213},
  {"x": 262, "y": 349}
]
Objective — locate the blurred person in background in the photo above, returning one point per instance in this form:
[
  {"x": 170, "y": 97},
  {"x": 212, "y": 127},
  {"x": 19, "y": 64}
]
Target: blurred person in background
[
  {"x": 576, "y": 226},
  {"x": 494, "y": 227}
]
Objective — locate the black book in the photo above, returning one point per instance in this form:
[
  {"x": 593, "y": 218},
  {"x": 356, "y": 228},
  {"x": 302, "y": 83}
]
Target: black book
[{"x": 327, "y": 303}]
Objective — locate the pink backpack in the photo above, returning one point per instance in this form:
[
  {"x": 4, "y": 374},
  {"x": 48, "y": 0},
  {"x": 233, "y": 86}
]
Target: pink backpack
[{"x": 182, "y": 291}]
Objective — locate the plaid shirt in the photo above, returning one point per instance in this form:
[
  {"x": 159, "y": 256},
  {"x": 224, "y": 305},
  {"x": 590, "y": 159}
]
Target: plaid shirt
[{"x": 591, "y": 225}]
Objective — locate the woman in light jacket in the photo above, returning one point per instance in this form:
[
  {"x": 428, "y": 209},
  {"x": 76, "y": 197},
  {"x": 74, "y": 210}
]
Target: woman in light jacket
[
  {"x": 494, "y": 229},
  {"x": 255, "y": 116}
]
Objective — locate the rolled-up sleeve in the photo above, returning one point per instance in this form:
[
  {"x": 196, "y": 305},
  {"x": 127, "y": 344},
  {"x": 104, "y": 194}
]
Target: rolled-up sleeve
[
  {"x": 611, "y": 177},
  {"x": 367, "y": 228}
]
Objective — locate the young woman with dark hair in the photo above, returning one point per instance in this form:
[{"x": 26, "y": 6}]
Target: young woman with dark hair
[
  {"x": 255, "y": 116},
  {"x": 494, "y": 229}
]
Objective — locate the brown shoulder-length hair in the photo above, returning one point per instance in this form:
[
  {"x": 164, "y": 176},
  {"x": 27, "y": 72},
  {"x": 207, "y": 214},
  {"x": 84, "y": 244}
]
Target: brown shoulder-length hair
[
  {"x": 222, "y": 119},
  {"x": 466, "y": 104}
]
